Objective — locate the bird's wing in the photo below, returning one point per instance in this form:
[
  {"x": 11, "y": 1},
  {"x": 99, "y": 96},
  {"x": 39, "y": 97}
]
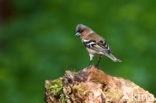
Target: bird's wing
[{"x": 100, "y": 46}]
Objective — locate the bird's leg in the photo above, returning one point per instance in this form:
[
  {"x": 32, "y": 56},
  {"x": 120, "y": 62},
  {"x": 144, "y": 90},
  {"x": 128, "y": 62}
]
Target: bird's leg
[
  {"x": 91, "y": 58},
  {"x": 99, "y": 58}
]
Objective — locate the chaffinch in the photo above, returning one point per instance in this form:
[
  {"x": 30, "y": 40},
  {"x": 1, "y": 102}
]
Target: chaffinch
[{"x": 95, "y": 44}]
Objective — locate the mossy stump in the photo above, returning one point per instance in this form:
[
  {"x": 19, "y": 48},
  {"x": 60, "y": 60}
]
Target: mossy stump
[{"x": 91, "y": 85}]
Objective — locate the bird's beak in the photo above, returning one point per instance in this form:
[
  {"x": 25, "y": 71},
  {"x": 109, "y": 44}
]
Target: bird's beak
[{"x": 77, "y": 34}]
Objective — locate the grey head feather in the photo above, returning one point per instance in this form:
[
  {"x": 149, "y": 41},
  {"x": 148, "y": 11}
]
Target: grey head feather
[{"x": 80, "y": 26}]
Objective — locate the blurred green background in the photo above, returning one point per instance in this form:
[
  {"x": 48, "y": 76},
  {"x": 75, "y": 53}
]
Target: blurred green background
[{"x": 37, "y": 42}]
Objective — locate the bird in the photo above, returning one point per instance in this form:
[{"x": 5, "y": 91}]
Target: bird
[{"x": 94, "y": 44}]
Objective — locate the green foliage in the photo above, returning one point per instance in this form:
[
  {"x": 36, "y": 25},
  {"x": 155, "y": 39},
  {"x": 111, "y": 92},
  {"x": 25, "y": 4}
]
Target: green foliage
[{"x": 37, "y": 43}]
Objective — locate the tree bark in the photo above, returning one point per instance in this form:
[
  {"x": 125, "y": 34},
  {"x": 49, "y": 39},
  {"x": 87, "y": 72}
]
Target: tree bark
[{"x": 91, "y": 85}]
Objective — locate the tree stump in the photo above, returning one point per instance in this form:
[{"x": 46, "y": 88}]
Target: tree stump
[{"x": 91, "y": 85}]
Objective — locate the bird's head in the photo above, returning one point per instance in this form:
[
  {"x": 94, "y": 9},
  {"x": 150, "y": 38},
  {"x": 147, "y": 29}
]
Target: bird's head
[{"x": 82, "y": 30}]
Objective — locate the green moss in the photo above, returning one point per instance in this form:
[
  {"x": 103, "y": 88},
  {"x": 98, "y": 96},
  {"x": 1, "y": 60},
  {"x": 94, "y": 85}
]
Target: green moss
[
  {"x": 62, "y": 98},
  {"x": 81, "y": 89},
  {"x": 85, "y": 92},
  {"x": 114, "y": 95},
  {"x": 55, "y": 87}
]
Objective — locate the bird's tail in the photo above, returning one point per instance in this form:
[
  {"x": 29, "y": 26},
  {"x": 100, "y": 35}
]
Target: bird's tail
[{"x": 112, "y": 57}]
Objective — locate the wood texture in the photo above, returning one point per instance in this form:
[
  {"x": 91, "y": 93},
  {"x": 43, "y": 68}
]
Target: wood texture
[{"x": 92, "y": 85}]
